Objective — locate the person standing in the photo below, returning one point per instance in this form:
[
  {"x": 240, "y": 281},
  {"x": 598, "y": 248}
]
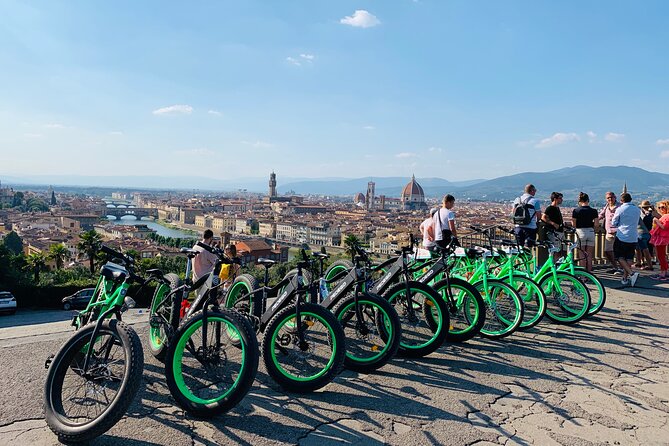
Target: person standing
[
  {"x": 606, "y": 214},
  {"x": 643, "y": 259},
  {"x": 427, "y": 230},
  {"x": 204, "y": 262},
  {"x": 659, "y": 237},
  {"x": 626, "y": 220},
  {"x": 444, "y": 222},
  {"x": 553, "y": 224},
  {"x": 526, "y": 234},
  {"x": 585, "y": 220}
]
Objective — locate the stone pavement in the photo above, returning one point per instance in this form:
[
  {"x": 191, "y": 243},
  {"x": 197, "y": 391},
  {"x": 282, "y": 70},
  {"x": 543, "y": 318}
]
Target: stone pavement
[{"x": 602, "y": 381}]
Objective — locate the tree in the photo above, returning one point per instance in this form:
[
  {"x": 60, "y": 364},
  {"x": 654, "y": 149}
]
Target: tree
[
  {"x": 90, "y": 243},
  {"x": 53, "y": 198},
  {"x": 350, "y": 241},
  {"x": 59, "y": 253},
  {"x": 36, "y": 262},
  {"x": 18, "y": 199},
  {"x": 14, "y": 243}
]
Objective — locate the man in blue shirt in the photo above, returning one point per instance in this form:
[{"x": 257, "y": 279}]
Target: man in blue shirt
[{"x": 626, "y": 219}]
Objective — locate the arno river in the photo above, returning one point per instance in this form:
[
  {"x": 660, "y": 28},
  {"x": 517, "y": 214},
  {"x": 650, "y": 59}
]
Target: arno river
[{"x": 162, "y": 230}]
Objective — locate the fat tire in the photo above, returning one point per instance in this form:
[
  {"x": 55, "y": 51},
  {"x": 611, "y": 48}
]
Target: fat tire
[
  {"x": 246, "y": 376},
  {"x": 132, "y": 347},
  {"x": 439, "y": 329},
  {"x": 159, "y": 351},
  {"x": 390, "y": 336},
  {"x": 476, "y": 322},
  {"x": 336, "y": 339}
]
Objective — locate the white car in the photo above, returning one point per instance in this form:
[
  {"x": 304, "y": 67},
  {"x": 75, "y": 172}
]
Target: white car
[{"x": 7, "y": 302}]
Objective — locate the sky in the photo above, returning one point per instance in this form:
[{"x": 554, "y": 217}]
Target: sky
[{"x": 235, "y": 89}]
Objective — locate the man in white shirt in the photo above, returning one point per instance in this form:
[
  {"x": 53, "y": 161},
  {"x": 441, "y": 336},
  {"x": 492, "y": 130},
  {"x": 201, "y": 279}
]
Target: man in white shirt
[
  {"x": 527, "y": 234},
  {"x": 444, "y": 219},
  {"x": 427, "y": 230}
]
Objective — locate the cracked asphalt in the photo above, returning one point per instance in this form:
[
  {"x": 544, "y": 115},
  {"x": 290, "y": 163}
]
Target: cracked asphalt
[{"x": 602, "y": 381}]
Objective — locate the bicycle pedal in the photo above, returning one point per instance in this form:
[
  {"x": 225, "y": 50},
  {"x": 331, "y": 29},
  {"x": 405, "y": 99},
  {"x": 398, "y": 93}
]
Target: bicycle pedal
[{"x": 48, "y": 362}]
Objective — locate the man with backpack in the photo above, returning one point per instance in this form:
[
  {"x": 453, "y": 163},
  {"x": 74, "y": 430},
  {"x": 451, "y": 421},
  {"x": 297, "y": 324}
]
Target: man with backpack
[
  {"x": 444, "y": 222},
  {"x": 526, "y": 213}
]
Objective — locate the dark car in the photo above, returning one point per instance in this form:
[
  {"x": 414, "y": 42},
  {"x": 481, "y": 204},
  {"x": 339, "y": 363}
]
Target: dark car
[{"x": 78, "y": 300}]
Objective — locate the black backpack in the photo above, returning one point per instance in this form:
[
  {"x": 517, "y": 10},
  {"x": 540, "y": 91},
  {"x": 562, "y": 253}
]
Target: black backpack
[{"x": 523, "y": 213}]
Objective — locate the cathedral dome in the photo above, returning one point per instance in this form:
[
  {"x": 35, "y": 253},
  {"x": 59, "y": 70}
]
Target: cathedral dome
[{"x": 413, "y": 196}]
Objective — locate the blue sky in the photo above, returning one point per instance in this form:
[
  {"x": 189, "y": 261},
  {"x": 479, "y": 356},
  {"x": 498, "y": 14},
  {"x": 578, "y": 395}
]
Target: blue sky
[{"x": 451, "y": 89}]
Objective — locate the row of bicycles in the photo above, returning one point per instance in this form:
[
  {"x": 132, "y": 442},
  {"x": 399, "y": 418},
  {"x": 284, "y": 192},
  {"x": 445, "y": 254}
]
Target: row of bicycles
[{"x": 316, "y": 321}]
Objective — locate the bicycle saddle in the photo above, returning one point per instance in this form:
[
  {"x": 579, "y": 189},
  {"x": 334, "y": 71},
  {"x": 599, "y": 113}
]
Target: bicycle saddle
[{"x": 267, "y": 263}]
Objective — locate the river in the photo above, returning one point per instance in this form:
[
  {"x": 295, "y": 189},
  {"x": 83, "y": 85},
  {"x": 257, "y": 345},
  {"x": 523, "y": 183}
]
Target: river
[{"x": 160, "y": 229}]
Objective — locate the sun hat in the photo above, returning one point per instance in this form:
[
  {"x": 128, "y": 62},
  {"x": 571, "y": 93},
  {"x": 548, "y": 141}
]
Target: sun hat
[{"x": 645, "y": 204}]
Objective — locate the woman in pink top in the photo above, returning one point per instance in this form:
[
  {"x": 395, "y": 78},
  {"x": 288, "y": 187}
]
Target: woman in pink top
[{"x": 659, "y": 236}]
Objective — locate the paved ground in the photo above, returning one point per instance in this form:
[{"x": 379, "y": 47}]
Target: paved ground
[{"x": 603, "y": 381}]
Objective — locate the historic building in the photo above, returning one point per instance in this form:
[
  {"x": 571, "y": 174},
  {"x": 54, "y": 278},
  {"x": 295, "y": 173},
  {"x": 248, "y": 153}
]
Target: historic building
[{"x": 413, "y": 197}]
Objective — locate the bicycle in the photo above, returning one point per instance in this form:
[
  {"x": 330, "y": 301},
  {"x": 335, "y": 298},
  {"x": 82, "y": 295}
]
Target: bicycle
[
  {"x": 94, "y": 377},
  {"x": 303, "y": 346},
  {"x": 212, "y": 358},
  {"x": 371, "y": 325},
  {"x": 422, "y": 311}
]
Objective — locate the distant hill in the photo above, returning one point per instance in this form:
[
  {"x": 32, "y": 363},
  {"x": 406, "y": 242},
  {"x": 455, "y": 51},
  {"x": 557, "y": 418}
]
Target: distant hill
[
  {"x": 570, "y": 180},
  {"x": 595, "y": 181}
]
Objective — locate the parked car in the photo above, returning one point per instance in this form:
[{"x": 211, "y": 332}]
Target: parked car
[
  {"x": 78, "y": 300},
  {"x": 7, "y": 302}
]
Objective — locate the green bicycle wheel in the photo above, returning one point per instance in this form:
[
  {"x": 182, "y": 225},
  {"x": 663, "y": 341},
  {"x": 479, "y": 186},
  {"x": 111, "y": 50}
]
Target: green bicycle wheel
[
  {"x": 466, "y": 310},
  {"x": 534, "y": 300},
  {"x": 504, "y": 308},
  {"x": 372, "y": 334},
  {"x": 208, "y": 381},
  {"x": 567, "y": 299},
  {"x": 423, "y": 316},
  {"x": 163, "y": 316},
  {"x": 303, "y": 365},
  {"x": 595, "y": 288}
]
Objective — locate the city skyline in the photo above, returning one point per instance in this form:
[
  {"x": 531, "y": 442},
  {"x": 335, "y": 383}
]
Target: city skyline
[{"x": 352, "y": 89}]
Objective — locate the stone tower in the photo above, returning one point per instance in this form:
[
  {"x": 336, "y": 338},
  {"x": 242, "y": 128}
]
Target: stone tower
[
  {"x": 272, "y": 184},
  {"x": 369, "y": 198}
]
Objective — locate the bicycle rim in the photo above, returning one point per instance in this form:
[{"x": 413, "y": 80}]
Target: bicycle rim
[
  {"x": 504, "y": 309},
  {"x": 567, "y": 299},
  {"x": 208, "y": 376},
  {"x": 534, "y": 300},
  {"x": 365, "y": 342},
  {"x": 467, "y": 310},
  {"x": 309, "y": 361},
  {"x": 417, "y": 332}
]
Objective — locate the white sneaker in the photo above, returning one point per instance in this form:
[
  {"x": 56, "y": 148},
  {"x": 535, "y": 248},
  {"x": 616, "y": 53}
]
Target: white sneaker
[{"x": 633, "y": 278}]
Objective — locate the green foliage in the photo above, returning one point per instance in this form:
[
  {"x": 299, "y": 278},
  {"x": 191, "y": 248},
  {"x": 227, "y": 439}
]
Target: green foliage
[
  {"x": 13, "y": 242},
  {"x": 59, "y": 253},
  {"x": 18, "y": 199},
  {"x": 78, "y": 276},
  {"x": 350, "y": 241},
  {"x": 90, "y": 243},
  {"x": 165, "y": 264},
  {"x": 36, "y": 263},
  {"x": 35, "y": 204},
  {"x": 172, "y": 241}
]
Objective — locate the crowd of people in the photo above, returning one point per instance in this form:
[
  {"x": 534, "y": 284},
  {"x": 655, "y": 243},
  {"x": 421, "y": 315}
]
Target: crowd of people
[{"x": 633, "y": 234}]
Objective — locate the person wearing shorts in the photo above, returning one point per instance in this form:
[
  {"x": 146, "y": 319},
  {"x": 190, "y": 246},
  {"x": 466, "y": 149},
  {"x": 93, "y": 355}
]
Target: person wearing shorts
[
  {"x": 626, "y": 219},
  {"x": 606, "y": 214},
  {"x": 585, "y": 220}
]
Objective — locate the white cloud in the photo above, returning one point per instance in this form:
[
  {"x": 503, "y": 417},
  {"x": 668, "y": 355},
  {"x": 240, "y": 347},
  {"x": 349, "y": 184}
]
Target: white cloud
[
  {"x": 258, "y": 144},
  {"x": 435, "y": 149},
  {"x": 662, "y": 142},
  {"x": 215, "y": 113},
  {"x": 403, "y": 155},
  {"x": 293, "y": 61},
  {"x": 309, "y": 57},
  {"x": 557, "y": 139},
  {"x": 55, "y": 126},
  {"x": 174, "y": 109},
  {"x": 195, "y": 152},
  {"x": 361, "y": 19},
  {"x": 664, "y": 154},
  {"x": 369, "y": 127},
  {"x": 614, "y": 137},
  {"x": 592, "y": 136}
]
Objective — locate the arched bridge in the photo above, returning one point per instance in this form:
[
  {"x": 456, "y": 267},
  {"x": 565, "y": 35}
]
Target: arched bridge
[{"x": 137, "y": 212}]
